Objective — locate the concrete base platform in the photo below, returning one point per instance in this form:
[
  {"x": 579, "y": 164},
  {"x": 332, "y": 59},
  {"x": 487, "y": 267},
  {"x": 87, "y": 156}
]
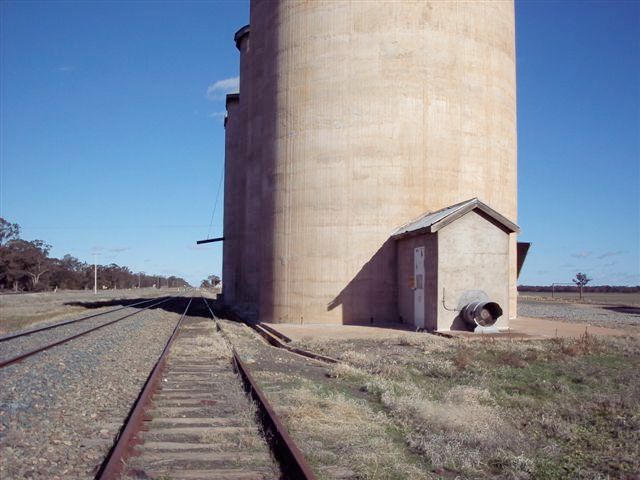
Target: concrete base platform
[
  {"x": 523, "y": 328},
  {"x": 543, "y": 328},
  {"x": 341, "y": 332}
]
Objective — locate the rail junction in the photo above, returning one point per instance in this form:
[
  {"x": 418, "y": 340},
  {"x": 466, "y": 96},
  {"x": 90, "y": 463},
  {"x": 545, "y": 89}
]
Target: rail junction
[{"x": 200, "y": 413}]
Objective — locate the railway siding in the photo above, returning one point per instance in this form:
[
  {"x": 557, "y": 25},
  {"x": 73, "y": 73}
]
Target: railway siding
[
  {"x": 338, "y": 428},
  {"x": 60, "y": 410},
  {"x": 20, "y": 344}
]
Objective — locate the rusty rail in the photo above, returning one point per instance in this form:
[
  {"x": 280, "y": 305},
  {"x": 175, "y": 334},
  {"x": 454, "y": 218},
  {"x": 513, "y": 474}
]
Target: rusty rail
[
  {"x": 112, "y": 466},
  {"x": 275, "y": 332},
  {"x": 22, "y": 356},
  {"x": 277, "y": 343},
  {"x": 69, "y": 322},
  {"x": 272, "y": 338},
  {"x": 291, "y": 460}
]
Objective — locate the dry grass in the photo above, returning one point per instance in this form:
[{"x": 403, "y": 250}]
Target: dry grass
[
  {"x": 22, "y": 311},
  {"x": 583, "y": 345},
  {"x": 562, "y": 408},
  {"x": 211, "y": 345},
  {"x": 458, "y": 429},
  {"x": 325, "y": 422},
  {"x": 458, "y": 432}
]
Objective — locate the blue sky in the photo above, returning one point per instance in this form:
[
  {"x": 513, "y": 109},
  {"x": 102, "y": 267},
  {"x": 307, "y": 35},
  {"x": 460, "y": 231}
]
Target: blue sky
[{"x": 112, "y": 138}]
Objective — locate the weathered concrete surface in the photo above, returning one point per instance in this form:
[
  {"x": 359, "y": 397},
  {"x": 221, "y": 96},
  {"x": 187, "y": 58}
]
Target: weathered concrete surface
[
  {"x": 473, "y": 254},
  {"x": 406, "y": 281},
  {"x": 245, "y": 295},
  {"x": 520, "y": 328},
  {"x": 362, "y": 116},
  {"x": 233, "y": 194}
]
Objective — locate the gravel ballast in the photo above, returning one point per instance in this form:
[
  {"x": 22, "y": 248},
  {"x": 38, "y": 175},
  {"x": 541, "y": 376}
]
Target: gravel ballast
[
  {"x": 60, "y": 409},
  {"x": 598, "y": 315},
  {"x": 17, "y": 346}
]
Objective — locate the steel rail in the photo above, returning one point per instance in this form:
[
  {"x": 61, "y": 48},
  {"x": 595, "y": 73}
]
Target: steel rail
[
  {"x": 68, "y": 322},
  {"x": 272, "y": 339},
  {"x": 112, "y": 465},
  {"x": 275, "y": 332},
  {"x": 73, "y": 337},
  {"x": 290, "y": 458}
]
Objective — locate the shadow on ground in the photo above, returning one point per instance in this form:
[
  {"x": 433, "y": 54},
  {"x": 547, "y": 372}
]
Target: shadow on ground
[
  {"x": 624, "y": 309},
  {"x": 172, "y": 304}
]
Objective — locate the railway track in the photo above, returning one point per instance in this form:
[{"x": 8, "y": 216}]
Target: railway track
[
  {"x": 279, "y": 340},
  {"x": 193, "y": 420},
  {"x": 20, "y": 346},
  {"x": 69, "y": 322}
]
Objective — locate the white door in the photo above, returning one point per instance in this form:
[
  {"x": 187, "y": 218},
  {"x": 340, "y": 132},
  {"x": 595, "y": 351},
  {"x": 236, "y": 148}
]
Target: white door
[{"x": 418, "y": 290}]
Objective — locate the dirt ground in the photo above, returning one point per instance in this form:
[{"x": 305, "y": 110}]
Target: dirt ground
[
  {"x": 522, "y": 327},
  {"x": 625, "y": 299},
  {"x": 27, "y": 310},
  {"x": 548, "y": 318},
  {"x": 542, "y": 328}
]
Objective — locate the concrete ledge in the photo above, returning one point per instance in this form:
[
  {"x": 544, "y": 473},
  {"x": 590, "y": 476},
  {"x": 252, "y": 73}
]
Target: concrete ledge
[
  {"x": 240, "y": 34},
  {"x": 340, "y": 332}
]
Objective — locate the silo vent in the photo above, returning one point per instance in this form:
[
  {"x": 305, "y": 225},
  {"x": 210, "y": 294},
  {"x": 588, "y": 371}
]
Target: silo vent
[{"x": 481, "y": 314}]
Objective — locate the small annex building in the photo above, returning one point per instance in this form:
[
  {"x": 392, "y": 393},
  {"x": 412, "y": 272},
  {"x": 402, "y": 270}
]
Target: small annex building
[{"x": 453, "y": 268}]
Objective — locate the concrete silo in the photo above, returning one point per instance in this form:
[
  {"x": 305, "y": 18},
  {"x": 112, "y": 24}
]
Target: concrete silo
[
  {"x": 362, "y": 116},
  {"x": 233, "y": 186}
]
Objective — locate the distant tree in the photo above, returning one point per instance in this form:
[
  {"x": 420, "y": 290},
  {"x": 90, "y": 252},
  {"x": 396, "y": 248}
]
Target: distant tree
[
  {"x": 205, "y": 284},
  {"x": 26, "y": 262},
  {"x": 581, "y": 280},
  {"x": 214, "y": 279},
  {"x": 27, "y": 265},
  {"x": 68, "y": 273},
  {"x": 8, "y": 231}
]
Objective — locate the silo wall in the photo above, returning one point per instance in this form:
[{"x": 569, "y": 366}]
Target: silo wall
[
  {"x": 261, "y": 150},
  {"x": 244, "y": 301},
  {"x": 370, "y": 114},
  {"x": 233, "y": 195}
]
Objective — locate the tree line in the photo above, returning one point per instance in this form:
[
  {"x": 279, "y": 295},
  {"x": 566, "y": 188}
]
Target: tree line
[
  {"x": 572, "y": 288},
  {"x": 25, "y": 265}
]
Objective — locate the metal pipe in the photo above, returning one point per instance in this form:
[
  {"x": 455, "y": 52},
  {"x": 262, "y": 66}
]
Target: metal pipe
[{"x": 445, "y": 306}]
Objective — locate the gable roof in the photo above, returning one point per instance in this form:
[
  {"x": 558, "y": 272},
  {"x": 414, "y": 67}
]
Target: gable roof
[{"x": 434, "y": 221}]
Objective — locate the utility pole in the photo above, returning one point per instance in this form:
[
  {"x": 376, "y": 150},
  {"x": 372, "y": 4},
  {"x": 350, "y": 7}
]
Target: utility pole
[{"x": 95, "y": 273}]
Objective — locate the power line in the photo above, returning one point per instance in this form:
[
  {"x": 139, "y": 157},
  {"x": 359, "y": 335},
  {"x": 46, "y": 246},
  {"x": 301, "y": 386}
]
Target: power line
[{"x": 215, "y": 205}]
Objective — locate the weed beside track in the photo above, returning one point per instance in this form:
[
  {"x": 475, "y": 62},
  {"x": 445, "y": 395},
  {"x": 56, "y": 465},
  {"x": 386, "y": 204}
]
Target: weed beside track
[{"x": 560, "y": 408}]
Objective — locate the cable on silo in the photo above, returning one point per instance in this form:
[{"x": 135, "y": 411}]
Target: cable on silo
[{"x": 215, "y": 205}]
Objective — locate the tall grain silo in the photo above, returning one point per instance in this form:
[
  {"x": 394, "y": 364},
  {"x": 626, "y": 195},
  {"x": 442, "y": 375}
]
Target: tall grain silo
[
  {"x": 235, "y": 123},
  {"x": 233, "y": 187},
  {"x": 362, "y": 116}
]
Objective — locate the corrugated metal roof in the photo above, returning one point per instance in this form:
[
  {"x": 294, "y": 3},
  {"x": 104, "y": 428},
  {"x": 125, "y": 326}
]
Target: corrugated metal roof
[{"x": 433, "y": 221}]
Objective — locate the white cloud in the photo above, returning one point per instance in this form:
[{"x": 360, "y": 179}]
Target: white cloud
[
  {"x": 219, "y": 89},
  {"x": 218, "y": 115},
  {"x": 611, "y": 254},
  {"x": 583, "y": 254}
]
